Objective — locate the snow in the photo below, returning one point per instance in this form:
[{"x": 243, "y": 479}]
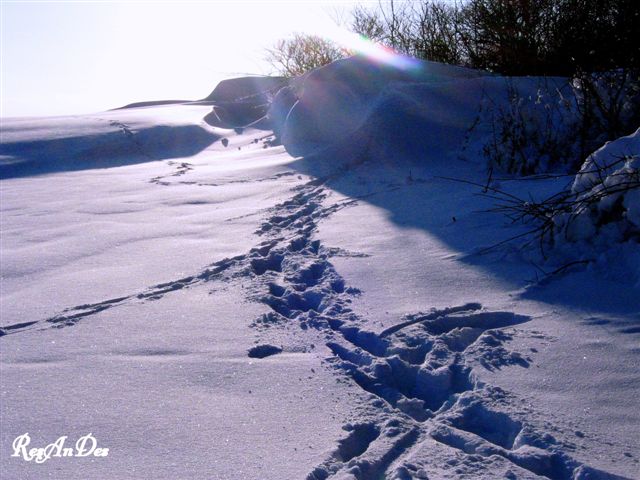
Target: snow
[
  {"x": 603, "y": 219},
  {"x": 317, "y": 309},
  {"x": 342, "y": 103},
  {"x": 611, "y": 167}
]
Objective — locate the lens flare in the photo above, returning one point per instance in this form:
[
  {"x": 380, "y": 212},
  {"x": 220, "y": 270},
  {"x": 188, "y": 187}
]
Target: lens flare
[{"x": 361, "y": 45}]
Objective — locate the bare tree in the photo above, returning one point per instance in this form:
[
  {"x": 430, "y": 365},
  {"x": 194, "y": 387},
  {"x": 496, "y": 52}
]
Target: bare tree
[
  {"x": 368, "y": 23},
  {"x": 511, "y": 37},
  {"x": 297, "y": 55},
  {"x": 437, "y": 33},
  {"x": 426, "y": 29}
]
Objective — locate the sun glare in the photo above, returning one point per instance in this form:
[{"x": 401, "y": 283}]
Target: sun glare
[{"x": 364, "y": 46}]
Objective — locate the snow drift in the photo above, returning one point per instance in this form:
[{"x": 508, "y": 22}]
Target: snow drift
[
  {"x": 599, "y": 221},
  {"x": 99, "y": 141},
  {"x": 607, "y": 188},
  {"x": 242, "y": 102},
  {"x": 237, "y": 314},
  {"x": 357, "y": 105},
  {"x": 358, "y": 100}
]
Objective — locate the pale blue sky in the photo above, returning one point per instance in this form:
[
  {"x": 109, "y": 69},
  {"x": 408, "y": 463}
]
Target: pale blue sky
[{"x": 76, "y": 57}]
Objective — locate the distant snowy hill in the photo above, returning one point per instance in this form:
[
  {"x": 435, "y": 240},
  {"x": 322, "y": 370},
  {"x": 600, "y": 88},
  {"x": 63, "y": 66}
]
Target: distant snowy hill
[{"x": 306, "y": 280}]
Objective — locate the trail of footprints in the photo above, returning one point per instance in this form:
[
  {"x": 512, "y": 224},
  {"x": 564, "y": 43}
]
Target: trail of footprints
[
  {"x": 418, "y": 375},
  {"x": 253, "y": 264},
  {"x": 181, "y": 168}
]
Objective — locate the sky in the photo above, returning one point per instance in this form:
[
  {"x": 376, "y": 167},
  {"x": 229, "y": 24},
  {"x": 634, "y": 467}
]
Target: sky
[{"x": 72, "y": 57}]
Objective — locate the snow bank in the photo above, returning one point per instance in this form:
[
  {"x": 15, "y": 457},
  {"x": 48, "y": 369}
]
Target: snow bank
[
  {"x": 601, "y": 221},
  {"x": 242, "y": 102},
  {"x": 431, "y": 110},
  {"x": 357, "y": 100},
  {"x": 534, "y": 126},
  {"x": 39, "y": 146},
  {"x": 245, "y": 88},
  {"x": 607, "y": 190}
]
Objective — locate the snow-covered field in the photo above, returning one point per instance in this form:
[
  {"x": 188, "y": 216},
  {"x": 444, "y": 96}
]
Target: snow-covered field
[{"x": 208, "y": 303}]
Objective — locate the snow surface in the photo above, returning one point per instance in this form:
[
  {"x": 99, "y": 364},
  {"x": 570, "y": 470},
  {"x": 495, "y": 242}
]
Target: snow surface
[
  {"x": 604, "y": 221},
  {"x": 611, "y": 168},
  {"x": 320, "y": 309}
]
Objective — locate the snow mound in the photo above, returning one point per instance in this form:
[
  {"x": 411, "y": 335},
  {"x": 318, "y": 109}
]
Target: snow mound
[
  {"x": 245, "y": 88},
  {"x": 97, "y": 143},
  {"x": 607, "y": 190},
  {"x": 599, "y": 222},
  {"x": 359, "y": 101},
  {"x": 242, "y": 102},
  {"x": 151, "y": 103}
]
